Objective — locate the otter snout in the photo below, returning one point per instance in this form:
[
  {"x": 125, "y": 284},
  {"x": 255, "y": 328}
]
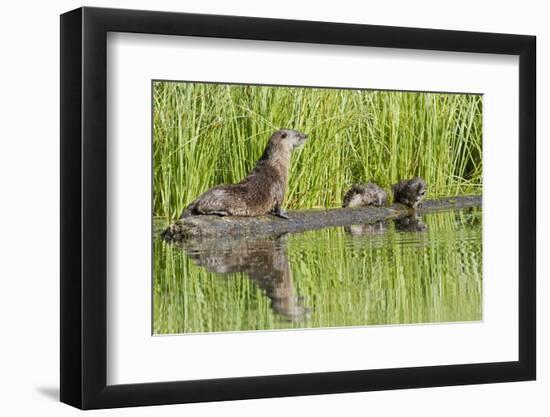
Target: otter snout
[
  {"x": 291, "y": 138},
  {"x": 301, "y": 139}
]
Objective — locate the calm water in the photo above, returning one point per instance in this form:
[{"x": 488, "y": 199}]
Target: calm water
[{"x": 415, "y": 270}]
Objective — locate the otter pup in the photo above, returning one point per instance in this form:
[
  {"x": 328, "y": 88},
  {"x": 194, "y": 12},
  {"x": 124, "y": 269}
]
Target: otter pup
[
  {"x": 262, "y": 191},
  {"x": 409, "y": 192},
  {"x": 363, "y": 195}
]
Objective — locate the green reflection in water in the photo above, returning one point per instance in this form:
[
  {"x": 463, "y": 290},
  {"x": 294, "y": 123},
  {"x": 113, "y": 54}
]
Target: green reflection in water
[{"x": 415, "y": 270}]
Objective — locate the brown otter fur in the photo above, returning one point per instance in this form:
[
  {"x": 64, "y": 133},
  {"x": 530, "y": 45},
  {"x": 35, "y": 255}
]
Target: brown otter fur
[
  {"x": 365, "y": 195},
  {"x": 262, "y": 191},
  {"x": 409, "y": 192}
]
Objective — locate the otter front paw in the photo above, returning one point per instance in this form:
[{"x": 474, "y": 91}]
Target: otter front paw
[
  {"x": 282, "y": 215},
  {"x": 279, "y": 212}
]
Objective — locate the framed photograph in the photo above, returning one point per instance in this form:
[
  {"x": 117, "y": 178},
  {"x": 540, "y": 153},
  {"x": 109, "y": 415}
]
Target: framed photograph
[{"x": 256, "y": 208}]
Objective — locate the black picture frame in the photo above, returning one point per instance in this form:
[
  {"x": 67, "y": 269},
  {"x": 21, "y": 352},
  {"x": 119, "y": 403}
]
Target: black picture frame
[{"x": 84, "y": 207}]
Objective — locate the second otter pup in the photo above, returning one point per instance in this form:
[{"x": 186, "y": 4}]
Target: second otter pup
[
  {"x": 409, "y": 192},
  {"x": 262, "y": 191},
  {"x": 363, "y": 195}
]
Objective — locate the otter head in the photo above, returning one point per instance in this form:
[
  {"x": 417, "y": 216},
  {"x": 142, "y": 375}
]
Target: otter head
[
  {"x": 418, "y": 187},
  {"x": 288, "y": 138}
]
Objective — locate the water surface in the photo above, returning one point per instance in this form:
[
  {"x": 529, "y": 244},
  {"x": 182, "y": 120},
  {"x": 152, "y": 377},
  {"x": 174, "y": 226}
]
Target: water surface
[{"x": 415, "y": 270}]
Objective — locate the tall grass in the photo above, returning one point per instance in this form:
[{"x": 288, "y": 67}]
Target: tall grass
[{"x": 207, "y": 134}]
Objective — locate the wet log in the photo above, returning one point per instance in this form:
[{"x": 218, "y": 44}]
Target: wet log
[{"x": 299, "y": 221}]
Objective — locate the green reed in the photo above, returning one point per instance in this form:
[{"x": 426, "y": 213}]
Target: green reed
[
  {"x": 207, "y": 134},
  {"x": 392, "y": 278}
]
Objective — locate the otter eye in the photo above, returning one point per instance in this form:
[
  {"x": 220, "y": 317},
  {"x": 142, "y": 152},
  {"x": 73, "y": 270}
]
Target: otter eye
[{"x": 283, "y": 135}]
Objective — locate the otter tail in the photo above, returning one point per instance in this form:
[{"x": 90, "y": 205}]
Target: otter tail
[{"x": 173, "y": 231}]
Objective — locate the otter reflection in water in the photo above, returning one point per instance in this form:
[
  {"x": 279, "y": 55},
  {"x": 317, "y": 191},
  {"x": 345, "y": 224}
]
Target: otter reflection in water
[
  {"x": 411, "y": 223},
  {"x": 263, "y": 259},
  {"x": 367, "y": 229}
]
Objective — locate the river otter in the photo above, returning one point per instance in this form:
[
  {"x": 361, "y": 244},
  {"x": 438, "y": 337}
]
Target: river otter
[
  {"x": 409, "y": 192},
  {"x": 262, "y": 191},
  {"x": 363, "y": 195}
]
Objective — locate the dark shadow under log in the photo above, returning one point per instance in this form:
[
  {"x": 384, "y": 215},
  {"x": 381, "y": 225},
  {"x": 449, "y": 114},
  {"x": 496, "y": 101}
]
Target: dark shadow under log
[{"x": 299, "y": 221}]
